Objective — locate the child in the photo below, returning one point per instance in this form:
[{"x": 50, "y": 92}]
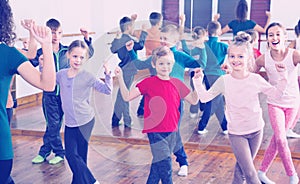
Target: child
[
  {"x": 254, "y": 40},
  {"x": 151, "y": 43},
  {"x": 198, "y": 51},
  {"x": 216, "y": 52},
  {"x": 170, "y": 37},
  {"x": 121, "y": 108},
  {"x": 13, "y": 62},
  {"x": 282, "y": 111},
  {"x": 241, "y": 90},
  {"x": 51, "y": 101},
  {"x": 160, "y": 124},
  {"x": 76, "y": 86}
]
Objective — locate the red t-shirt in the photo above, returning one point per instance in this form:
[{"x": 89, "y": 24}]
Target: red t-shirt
[
  {"x": 162, "y": 101},
  {"x": 256, "y": 53}
]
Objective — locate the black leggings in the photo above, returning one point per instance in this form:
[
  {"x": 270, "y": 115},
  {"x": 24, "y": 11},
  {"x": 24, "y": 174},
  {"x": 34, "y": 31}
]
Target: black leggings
[{"x": 5, "y": 168}]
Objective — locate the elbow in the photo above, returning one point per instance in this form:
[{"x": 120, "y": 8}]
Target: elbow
[{"x": 49, "y": 88}]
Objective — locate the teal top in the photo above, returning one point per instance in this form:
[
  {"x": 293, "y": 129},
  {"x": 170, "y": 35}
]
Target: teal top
[
  {"x": 11, "y": 59},
  {"x": 182, "y": 61},
  {"x": 198, "y": 53},
  {"x": 216, "y": 52}
]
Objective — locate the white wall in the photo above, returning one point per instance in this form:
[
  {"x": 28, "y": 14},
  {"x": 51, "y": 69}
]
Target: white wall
[{"x": 99, "y": 16}]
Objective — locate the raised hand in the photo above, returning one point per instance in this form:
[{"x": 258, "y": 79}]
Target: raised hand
[
  {"x": 27, "y": 23},
  {"x": 106, "y": 68},
  {"x": 118, "y": 72},
  {"x": 85, "y": 33},
  {"x": 129, "y": 45},
  {"x": 198, "y": 73},
  {"x": 41, "y": 33}
]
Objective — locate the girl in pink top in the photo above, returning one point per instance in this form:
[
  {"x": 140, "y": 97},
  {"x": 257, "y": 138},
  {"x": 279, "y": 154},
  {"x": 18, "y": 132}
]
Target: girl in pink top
[
  {"x": 282, "y": 111},
  {"x": 241, "y": 90}
]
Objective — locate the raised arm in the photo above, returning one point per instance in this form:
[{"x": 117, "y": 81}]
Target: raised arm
[
  {"x": 32, "y": 46},
  {"x": 260, "y": 29},
  {"x": 46, "y": 79},
  {"x": 127, "y": 95},
  {"x": 88, "y": 41}
]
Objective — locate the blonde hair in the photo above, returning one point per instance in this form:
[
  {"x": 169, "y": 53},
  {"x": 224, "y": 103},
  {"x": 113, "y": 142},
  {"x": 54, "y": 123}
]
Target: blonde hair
[
  {"x": 161, "y": 52},
  {"x": 243, "y": 39}
]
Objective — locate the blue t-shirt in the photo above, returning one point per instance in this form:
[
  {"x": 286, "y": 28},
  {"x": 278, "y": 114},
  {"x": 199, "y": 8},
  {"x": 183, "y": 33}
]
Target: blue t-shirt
[{"x": 236, "y": 25}]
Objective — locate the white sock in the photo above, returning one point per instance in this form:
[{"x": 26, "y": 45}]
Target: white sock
[
  {"x": 97, "y": 182},
  {"x": 294, "y": 179}
]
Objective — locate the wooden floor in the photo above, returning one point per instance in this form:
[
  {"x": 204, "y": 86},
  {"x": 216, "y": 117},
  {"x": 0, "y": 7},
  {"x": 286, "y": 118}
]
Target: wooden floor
[{"x": 123, "y": 156}]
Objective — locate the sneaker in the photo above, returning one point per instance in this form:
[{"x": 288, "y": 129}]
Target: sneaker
[
  {"x": 225, "y": 132},
  {"x": 294, "y": 179},
  {"x": 201, "y": 132},
  {"x": 56, "y": 160},
  {"x": 128, "y": 125},
  {"x": 183, "y": 171},
  {"x": 97, "y": 182},
  {"x": 263, "y": 178},
  {"x": 38, "y": 160},
  {"x": 193, "y": 115},
  {"x": 291, "y": 134}
]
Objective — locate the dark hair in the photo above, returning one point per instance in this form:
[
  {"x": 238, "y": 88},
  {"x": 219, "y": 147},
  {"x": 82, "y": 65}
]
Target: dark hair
[
  {"x": 160, "y": 52},
  {"x": 155, "y": 18},
  {"x": 212, "y": 27},
  {"x": 198, "y": 32},
  {"x": 241, "y": 10},
  {"x": 78, "y": 43},
  {"x": 253, "y": 34},
  {"x": 273, "y": 25},
  {"x": 7, "y": 34},
  {"x": 243, "y": 39},
  {"x": 53, "y": 24},
  {"x": 124, "y": 23},
  {"x": 297, "y": 29}
]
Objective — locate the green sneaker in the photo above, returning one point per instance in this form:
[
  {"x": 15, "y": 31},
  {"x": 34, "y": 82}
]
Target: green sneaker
[
  {"x": 38, "y": 160},
  {"x": 56, "y": 160}
]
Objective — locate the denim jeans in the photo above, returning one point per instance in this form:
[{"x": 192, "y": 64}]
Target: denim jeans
[{"x": 162, "y": 145}]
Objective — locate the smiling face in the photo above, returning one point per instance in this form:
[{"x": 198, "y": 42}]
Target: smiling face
[
  {"x": 76, "y": 57},
  {"x": 238, "y": 58},
  {"x": 276, "y": 37}
]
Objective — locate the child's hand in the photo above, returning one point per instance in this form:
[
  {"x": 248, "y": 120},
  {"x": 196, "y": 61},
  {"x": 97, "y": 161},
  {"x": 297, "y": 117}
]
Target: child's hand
[
  {"x": 133, "y": 17},
  {"x": 129, "y": 45},
  {"x": 216, "y": 17},
  {"x": 225, "y": 67},
  {"x": 198, "y": 73},
  {"x": 118, "y": 72},
  {"x": 85, "y": 33},
  {"x": 27, "y": 23},
  {"x": 280, "y": 67},
  {"x": 106, "y": 68},
  {"x": 41, "y": 33}
]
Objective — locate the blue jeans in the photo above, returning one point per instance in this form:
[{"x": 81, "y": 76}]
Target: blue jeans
[
  {"x": 162, "y": 145},
  {"x": 53, "y": 114},
  {"x": 76, "y": 144},
  {"x": 215, "y": 106}
]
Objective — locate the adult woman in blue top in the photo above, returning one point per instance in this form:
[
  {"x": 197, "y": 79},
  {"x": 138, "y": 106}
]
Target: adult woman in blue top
[
  {"x": 13, "y": 62},
  {"x": 241, "y": 23}
]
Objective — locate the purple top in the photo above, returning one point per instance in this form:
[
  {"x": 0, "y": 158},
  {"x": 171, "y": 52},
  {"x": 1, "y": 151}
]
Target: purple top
[{"x": 75, "y": 95}]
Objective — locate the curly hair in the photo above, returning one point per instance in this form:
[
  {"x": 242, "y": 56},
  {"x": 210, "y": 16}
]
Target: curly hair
[{"x": 7, "y": 34}]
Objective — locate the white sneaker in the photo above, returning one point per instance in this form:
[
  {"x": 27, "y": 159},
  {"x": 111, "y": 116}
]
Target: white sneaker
[
  {"x": 193, "y": 115},
  {"x": 97, "y": 182},
  {"x": 291, "y": 134},
  {"x": 294, "y": 179},
  {"x": 183, "y": 171},
  {"x": 263, "y": 178},
  {"x": 225, "y": 132},
  {"x": 201, "y": 132}
]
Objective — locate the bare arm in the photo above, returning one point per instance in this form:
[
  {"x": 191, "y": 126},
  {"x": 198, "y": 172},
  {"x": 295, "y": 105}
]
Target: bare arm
[
  {"x": 259, "y": 63},
  {"x": 192, "y": 98},
  {"x": 225, "y": 29},
  {"x": 126, "y": 94},
  {"x": 32, "y": 46},
  {"x": 292, "y": 44},
  {"x": 46, "y": 79},
  {"x": 296, "y": 57},
  {"x": 260, "y": 29}
]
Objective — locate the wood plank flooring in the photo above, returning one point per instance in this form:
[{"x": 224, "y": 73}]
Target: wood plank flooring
[{"x": 124, "y": 163}]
